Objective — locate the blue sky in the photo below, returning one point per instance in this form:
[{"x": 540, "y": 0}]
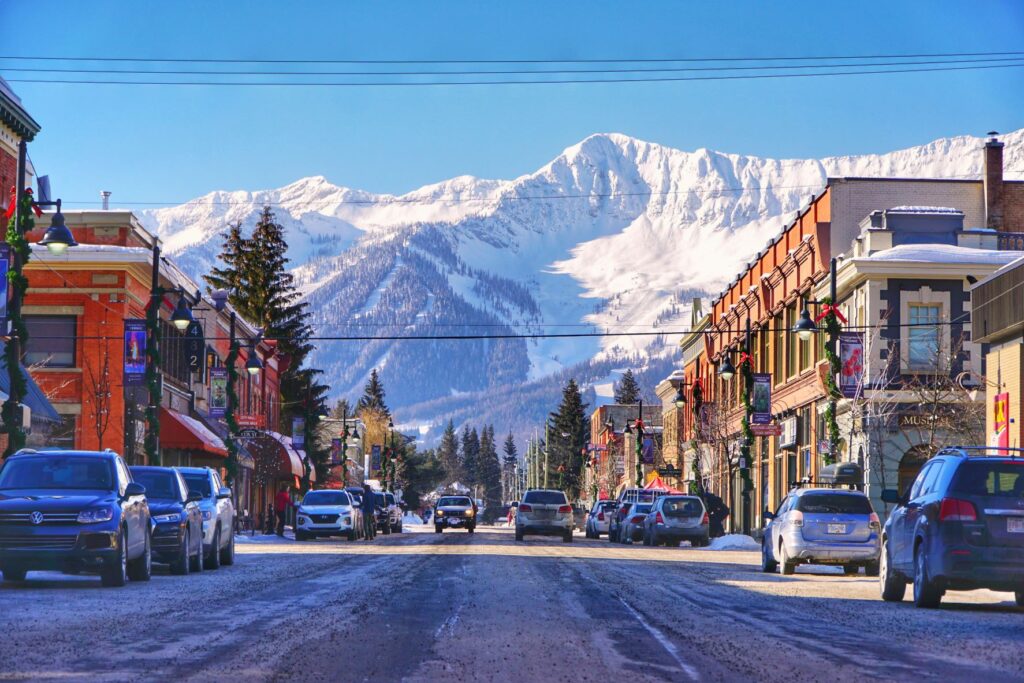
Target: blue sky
[{"x": 168, "y": 144}]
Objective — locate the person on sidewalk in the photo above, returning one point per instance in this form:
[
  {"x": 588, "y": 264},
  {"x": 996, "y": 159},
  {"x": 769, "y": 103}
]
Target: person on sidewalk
[
  {"x": 281, "y": 504},
  {"x": 369, "y": 513}
]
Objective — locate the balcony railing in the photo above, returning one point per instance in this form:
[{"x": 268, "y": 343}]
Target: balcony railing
[{"x": 1011, "y": 241}]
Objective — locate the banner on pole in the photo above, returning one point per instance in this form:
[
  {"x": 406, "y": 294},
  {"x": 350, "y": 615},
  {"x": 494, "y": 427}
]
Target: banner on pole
[
  {"x": 647, "y": 451},
  {"x": 336, "y": 455},
  {"x": 218, "y": 392},
  {"x": 134, "y": 352},
  {"x": 851, "y": 363},
  {"x": 761, "y": 399},
  {"x": 298, "y": 432},
  {"x": 375, "y": 458}
]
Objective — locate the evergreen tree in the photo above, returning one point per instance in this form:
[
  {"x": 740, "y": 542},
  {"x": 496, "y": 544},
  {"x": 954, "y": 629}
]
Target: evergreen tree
[
  {"x": 448, "y": 454},
  {"x": 490, "y": 472},
  {"x": 509, "y": 463},
  {"x": 569, "y": 432},
  {"x": 341, "y": 410},
  {"x": 373, "y": 395},
  {"x": 420, "y": 473},
  {"x": 627, "y": 392},
  {"x": 471, "y": 458},
  {"x": 236, "y": 257}
]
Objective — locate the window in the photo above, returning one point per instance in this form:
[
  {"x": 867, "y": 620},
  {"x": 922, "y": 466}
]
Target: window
[
  {"x": 932, "y": 480},
  {"x": 51, "y": 341},
  {"x": 923, "y": 336},
  {"x": 987, "y": 478},
  {"x": 779, "y": 344},
  {"x": 542, "y": 498},
  {"x": 836, "y": 503},
  {"x": 791, "y": 347},
  {"x": 915, "y": 490},
  {"x": 173, "y": 359}
]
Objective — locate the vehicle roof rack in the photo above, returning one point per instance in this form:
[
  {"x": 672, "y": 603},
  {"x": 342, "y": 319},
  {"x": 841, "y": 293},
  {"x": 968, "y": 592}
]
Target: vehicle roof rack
[
  {"x": 986, "y": 451},
  {"x": 826, "y": 485}
]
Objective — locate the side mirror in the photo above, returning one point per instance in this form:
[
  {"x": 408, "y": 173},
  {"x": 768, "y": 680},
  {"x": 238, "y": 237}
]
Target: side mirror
[
  {"x": 769, "y": 515},
  {"x": 891, "y": 496},
  {"x": 224, "y": 492},
  {"x": 134, "y": 489},
  {"x": 193, "y": 497}
]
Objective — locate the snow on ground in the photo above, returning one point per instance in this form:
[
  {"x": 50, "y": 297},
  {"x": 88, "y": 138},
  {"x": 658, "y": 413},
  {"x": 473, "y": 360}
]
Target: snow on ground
[
  {"x": 734, "y": 542},
  {"x": 412, "y": 518}
]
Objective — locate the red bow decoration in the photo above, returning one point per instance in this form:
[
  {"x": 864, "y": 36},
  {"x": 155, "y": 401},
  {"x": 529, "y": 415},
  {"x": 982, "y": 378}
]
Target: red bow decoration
[
  {"x": 745, "y": 357},
  {"x": 14, "y": 202},
  {"x": 829, "y": 308},
  {"x": 639, "y": 423}
]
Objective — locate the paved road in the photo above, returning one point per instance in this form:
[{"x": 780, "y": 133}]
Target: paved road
[{"x": 423, "y": 607}]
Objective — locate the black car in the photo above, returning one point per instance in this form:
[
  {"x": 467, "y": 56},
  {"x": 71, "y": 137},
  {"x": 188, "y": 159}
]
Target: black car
[
  {"x": 455, "y": 511},
  {"x": 960, "y": 526},
  {"x": 73, "y": 511},
  {"x": 177, "y": 518}
]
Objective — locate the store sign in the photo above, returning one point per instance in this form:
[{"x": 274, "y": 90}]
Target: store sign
[
  {"x": 134, "y": 352},
  {"x": 1001, "y": 420},
  {"x": 773, "y": 429},
  {"x": 298, "y": 432},
  {"x": 249, "y": 433},
  {"x": 761, "y": 399},
  {"x": 195, "y": 347},
  {"x": 924, "y": 421},
  {"x": 788, "y": 436},
  {"x": 851, "y": 363},
  {"x": 218, "y": 392}
]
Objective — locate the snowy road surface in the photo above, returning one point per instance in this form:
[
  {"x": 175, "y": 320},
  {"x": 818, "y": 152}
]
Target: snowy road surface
[{"x": 455, "y": 607}]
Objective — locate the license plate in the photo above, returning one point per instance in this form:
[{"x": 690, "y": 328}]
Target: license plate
[
  {"x": 837, "y": 528},
  {"x": 1015, "y": 525}
]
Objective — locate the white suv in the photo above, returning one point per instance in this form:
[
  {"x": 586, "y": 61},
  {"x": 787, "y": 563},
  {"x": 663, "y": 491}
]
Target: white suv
[
  {"x": 327, "y": 512},
  {"x": 544, "y": 512}
]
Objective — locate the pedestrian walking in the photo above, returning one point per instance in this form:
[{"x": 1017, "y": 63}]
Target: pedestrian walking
[
  {"x": 369, "y": 513},
  {"x": 281, "y": 504}
]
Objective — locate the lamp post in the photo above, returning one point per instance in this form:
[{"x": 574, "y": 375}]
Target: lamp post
[
  {"x": 727, "y": 371},
  {"x": 152, "y": 377},
  {"x": 57, "y": 239}
]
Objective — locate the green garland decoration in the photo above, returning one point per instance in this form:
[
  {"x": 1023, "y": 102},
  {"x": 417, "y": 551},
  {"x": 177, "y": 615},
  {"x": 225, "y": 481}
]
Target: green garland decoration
[
  {"x": 695, "y": 467},
  {"x": 152, "y": 442},
  {"x": 230, "y": 441},
  {"x": 745, "y": 429},
  {"x": 18, "y": 285},
  {"x": 639, "y": 457},
  {"x": 832, "y": 329}
]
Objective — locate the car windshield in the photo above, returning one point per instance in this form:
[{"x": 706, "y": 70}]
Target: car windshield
[
  {"x": 390, "y": 498},
  {"x": 159, "y": 485},
  {"x": 1004, "y": 478},
  {"x": 56, "y": 472},
  {"x": 380, "y": 500},
  {"x": 545, "y": 498},
  {"x": 835, "y": 503},
  {"x": 325, "y": 498},
  {"x": 682, "y": 507},
  {"x": 453, "y": 501},
  {"x": 200, "y": 483}
]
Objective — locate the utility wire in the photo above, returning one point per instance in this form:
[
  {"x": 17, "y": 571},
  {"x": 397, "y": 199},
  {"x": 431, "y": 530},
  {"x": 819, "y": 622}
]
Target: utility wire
[
  {"x": 608, "y": 60},
  {"x": 560, "y": 81}
]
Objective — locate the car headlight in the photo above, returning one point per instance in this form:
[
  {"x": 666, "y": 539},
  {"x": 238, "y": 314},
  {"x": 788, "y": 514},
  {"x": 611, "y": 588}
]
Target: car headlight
[
  {"x": 440, "y": 513},
  {"x": 173, "y": 517},
  {"x": 207, "y": 515},
  {"x": 348, "y": 520},
  {"x": 95, "y": 515},
  {"x": 469, "y": 513}
]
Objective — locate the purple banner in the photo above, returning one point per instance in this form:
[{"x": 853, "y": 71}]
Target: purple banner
[
  {"x": 761, "y": 399},
  {"x": 647, "y": 452},
  {"x": 218, "y": 392},
  {"x": 134, "y": 352},
  {"x": 851, "y": 363}
]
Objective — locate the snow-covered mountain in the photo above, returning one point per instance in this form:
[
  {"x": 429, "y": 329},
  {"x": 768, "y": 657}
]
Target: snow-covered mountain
[{"x": 614, "y": 234}]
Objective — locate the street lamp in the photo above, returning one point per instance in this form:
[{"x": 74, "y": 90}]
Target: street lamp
[
  {"x": 805, "y": 327},
  {"x": 726, "y": 370},
  {"x": 57, "y": 237},
  {"x": 253, "y": 365},
  {"x": 182, "y": 316},
  {"x": 680, "y": 399}
]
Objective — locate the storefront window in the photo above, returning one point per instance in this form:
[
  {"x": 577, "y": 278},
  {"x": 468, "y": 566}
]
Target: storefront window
[
  {"x": 52, "y": 341},
  {"x": 923, "y": 336}
]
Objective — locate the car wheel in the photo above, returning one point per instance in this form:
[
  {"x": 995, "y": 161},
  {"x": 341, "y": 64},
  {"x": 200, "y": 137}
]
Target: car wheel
[
  {"x": 227, "y": 555},
  {"x": 12, "y": 574},
  {"x": 871, "y": 568},
  {"x": 437, "y": 528},
  {"x": 471, "y": 529},
  {"x": 768, "y": 563},
  {"x": 1018, "y": 596},
  {"x": 892, "y": 586},
  {"x": 141, "y": 568},
  {"x": 567, "y": 538},
  {"x": 788, "y": 566},
  {"x": 351, "y": 534},
  {"x": 850, "y": 569},
  {"x": 115, "y": 573},
  {"x": 198, "y": 562},
  {"x": 519, "y": 534},
  {"x": 300, "y": 535},
  {"x": 180, "y": 566},
  {"x": 926, "y": 593},
  {"x": 213, "y": 559}
]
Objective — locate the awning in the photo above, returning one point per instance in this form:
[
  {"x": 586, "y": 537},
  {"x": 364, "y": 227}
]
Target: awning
[
  {"x": 658, "y": 484},
  {"x": 188, "y": 434},
  {"x": 294, "y": 459},
  {"x": 34, "y": 398}
]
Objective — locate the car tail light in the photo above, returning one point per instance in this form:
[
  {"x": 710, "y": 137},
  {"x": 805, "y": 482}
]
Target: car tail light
[
  {"x": 658, "y": 519},
  {"x": 523, "y": 507},
  {"x": 565, "y": 508},
  {"x": 705, "y": 520},
  {"x": 874, "y": 523},
  {"x": 954, "y": 510},
  {"x": 797, "y": 518},
  {"x": 600, "y": 516},
  {"x": 637, "y": 519}
]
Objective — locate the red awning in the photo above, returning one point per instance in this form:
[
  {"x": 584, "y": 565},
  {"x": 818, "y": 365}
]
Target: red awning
[
  {"x": 658, "y": 484},
  {"x": 188, "y": 434}
]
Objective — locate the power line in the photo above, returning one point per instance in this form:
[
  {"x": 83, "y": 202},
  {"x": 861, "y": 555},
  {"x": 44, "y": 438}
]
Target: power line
[
  {"x": 592, "y": 60},
  {"x": 560, "y": 81},
  {"x": 479, "y": 72}
]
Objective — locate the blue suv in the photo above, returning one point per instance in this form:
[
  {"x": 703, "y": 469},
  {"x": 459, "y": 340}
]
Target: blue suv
[
  {"x": 73, "y": 511},
  {"x": 960, "y": 526}
]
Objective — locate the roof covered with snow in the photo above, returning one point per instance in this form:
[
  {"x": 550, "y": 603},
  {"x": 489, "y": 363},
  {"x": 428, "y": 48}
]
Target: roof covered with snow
[
  {"x": 924, "y": 209},
  {"x": 943, "y": 253}
]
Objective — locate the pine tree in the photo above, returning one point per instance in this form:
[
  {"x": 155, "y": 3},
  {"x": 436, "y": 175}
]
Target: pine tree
[
  {"x": 509, "y": 465},
  {"x": 471, "y": 457},
  {"x": 448, "y": 454},
  {"x": 341, "y": 410},
  {"x": 627, "y": 392},
  {"x": 490, "y": 471},
  {"x": 569, "y": 432},
  {"x": 236, "y": 256},
  {"x": 373, "y": 395}
]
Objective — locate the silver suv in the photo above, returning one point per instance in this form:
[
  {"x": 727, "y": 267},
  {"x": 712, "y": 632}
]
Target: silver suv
[
  {"x": 544, "y": 512},
  {"x": 218, "y": 515}
]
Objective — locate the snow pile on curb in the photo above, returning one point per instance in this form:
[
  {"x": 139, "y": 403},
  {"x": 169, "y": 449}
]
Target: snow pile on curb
[
  {"x": 734, "y": 542},
  {"x": 412, "y": 518}
]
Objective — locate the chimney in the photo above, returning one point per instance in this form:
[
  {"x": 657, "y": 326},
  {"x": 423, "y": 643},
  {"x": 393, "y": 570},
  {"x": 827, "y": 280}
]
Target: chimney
[
  {"x": 993, "y": 181},
  {"x": 105, "y": 195}
]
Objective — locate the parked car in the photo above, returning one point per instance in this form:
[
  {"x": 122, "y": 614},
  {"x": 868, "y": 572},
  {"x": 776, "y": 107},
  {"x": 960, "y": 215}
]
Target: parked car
[
  {"x": 177, "y": 519},
  {"x": 544, "y": 512},
  {"x": 218, "y": 515},
  {"x": 395, "y": 508},
  {"x": 382, "y": 511},
  {"x": 599, "y": 517},
  {"x": 454, "y": 511},
  {"x": 674, "y": 519},
  {"x": 632, "y": 526},
  {"x": 615, "y": 523},
  {"x": 959, "y": 527},
  {"x": 327, "y": 513},
  {"x": 822, "y": 526},
  {"x": 73, "y": 511}
]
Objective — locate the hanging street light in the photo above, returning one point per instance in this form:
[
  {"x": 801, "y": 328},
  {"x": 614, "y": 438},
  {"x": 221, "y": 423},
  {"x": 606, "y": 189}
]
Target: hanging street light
[
  {"x": 726, "y": 370},
  {"x": 182, "y": 316},
  {"x": 253, "y": 365},
  {"x": 680, "y": 399},
  {"x": 57, "y": 237},
  {"x": 805, "y": 327}
]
